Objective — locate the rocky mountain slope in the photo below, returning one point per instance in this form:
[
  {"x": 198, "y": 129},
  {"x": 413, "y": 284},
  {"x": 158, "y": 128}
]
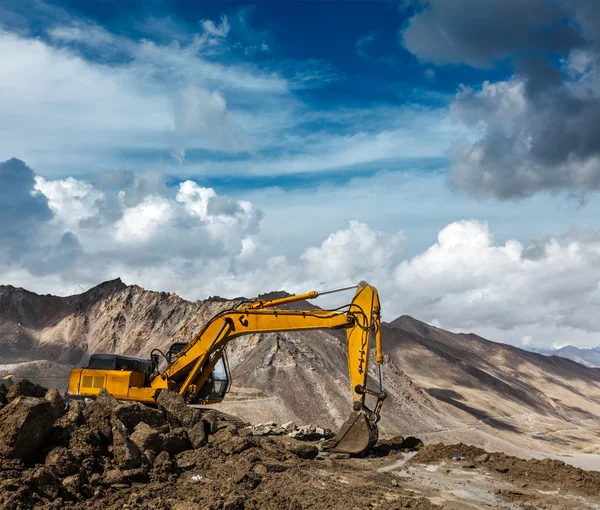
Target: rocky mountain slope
[
  {"x": 442, "y": 385},
  {"x": 585, "y": 356}
]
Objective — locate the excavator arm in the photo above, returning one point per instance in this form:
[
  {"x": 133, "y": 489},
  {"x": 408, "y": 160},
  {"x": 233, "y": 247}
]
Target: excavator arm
[{"x": 193, "y": 365}]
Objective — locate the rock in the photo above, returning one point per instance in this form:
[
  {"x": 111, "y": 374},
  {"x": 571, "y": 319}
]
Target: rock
[
  {"x": 482, "y": 458},
  {"x": 235, "y": 444},
  {"x": 86, "y": 443},
  {"x": 197, "y": 434},
  {"x": 98, "y": 414},
  {"x": 163, "y": 466},
  {"x": 126, "y": 454},
  {"x": 57, "y": 403},
  {"x": 211, "y": 421},
  {"x": 178, "y": 413},
  {"x": 137, "y": 475},
  {"x": 234, "y": 503},
  {"x": 289, "y": 426},
  {"x": 260, "y": 469},
  {"x": 304, "y": 451},
  {"x": 132, "y": 413},
  {"x": 74, "y": 483},
  {"x": 339, "y": 456},
  {"x": 274, "y": 466},
  {"x": 25, "y": 388},
  {"x": 74, "y": 414},
  {"x": 320, "y": 431},
  {"x": 25, "y": 423},
  {"x": 42, "y": 481},
  {"x": 113, "y": 476},
  {"x": 175, "y": 441},
  {"x": 187, "y": 460},
  {"x": 146, "y": 438},
  {"x": 61, "y": 462},
  {"x": 150, "y": 456},
  {"x": 244, "y": 475}
]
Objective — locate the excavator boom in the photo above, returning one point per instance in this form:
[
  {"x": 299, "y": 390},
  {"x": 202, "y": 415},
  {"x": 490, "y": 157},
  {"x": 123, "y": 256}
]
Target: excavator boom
[{"x": 192, "y": 367}]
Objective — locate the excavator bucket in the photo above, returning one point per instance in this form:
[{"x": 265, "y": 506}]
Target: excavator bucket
[{"x": 358, "y": 434}]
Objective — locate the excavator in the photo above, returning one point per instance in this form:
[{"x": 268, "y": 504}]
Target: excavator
[{"x": 198, "y": 369}]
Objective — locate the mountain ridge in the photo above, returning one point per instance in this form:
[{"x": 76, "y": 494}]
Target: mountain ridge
[{"x": 442, "y": 385}]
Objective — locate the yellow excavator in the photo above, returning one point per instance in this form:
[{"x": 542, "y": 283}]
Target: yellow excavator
[{"x": 198, "y": 369}]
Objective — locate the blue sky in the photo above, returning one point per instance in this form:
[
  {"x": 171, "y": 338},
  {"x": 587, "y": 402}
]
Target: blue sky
[{"x": 440, "y": 149}]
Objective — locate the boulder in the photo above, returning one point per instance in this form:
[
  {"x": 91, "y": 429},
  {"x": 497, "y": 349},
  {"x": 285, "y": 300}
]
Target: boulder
[
  {"x": 125, "y": 452},
  {"x": 163, "y": 467},
  {"x": 244, "y": 475},
  {"x": 86, "y": 442},
  {"x": 178, "y": 413},
  {"x": 289, "y": 426},
  {"x": 197, "y": 434},
  {"x": 211, "y": 420},
  {"x": 175, "y": 441},
  {"x": 25, "y": 423},
  {"x": 132, "y": 413},
  {"x": 44, "y": 483},
  {"x": 74, "y": 483},
  {"x": 113, "y": 476},
  {"x": 146, "y": 438},
  {"x": 61, "y": 462},
  {"x": 74, "y": 414},
  {"x": 304, "y": 451},
  {"x": 57, "y": 403},
  {"x": 25, "y": 388},
  {"x": 98, "y": 414}
]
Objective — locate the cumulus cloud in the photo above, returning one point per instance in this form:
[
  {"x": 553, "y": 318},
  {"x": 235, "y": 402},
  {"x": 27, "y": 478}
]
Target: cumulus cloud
[
  {"x": 191, "y": 240},
  {"x": 469, "y": 281},
  {"x": 22, "y": 210},
  {"x": 537, "y": 130}
]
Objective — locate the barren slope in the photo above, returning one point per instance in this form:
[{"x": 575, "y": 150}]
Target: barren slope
[{"x": 442, "y": 385}]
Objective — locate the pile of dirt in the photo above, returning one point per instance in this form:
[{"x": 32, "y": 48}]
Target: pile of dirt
[
  {"x": 110, "y": 454},
  {"x": 541, "y": 474}
]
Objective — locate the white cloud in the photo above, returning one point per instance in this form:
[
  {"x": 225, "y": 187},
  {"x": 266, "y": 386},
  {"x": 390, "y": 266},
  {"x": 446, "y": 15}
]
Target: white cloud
[
  {"x": 101, "y": 101},
  {"x": 141, "y": 223},
  {"x": 198, "y": 243},
  {"x": 70, "y": 199},
  {"x": 218, "y": 30},
  {"x": 467, "y": 280}
]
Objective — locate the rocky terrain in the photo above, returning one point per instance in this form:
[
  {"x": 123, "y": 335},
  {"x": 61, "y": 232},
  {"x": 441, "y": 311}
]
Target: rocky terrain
[
  {"x": 112, "y": 455},
  {"x": 443, "y": 386}
]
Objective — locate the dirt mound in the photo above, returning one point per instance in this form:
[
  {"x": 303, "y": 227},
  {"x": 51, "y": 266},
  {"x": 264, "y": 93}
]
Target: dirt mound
[
  {"x": 544, "y": 474},
  {"x": 107, "y": 454}
]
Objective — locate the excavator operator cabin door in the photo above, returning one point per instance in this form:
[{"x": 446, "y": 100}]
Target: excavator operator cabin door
[{"x": 217, "y": 384}]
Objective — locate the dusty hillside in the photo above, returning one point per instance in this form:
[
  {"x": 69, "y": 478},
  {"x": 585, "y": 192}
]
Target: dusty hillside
[
  {"x": 442, "y": 385},
  {"x": 545, "y": 402}
]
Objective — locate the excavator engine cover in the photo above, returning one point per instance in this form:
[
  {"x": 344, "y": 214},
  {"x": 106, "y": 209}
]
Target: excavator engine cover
[{"x": 358, "y": 434}]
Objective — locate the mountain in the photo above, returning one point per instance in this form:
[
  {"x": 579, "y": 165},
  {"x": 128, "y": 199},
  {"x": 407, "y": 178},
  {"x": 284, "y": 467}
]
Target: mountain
[
  {"x": 586, "y": 356},
  {"x": 441, "y": 385}
]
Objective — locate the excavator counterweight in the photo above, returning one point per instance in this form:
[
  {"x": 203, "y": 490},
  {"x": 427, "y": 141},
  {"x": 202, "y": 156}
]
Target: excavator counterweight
[{"x": 198, "y": 370}]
